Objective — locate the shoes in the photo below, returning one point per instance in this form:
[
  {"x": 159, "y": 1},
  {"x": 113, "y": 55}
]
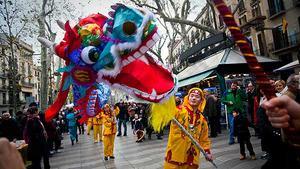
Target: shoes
[
  {"x": 112, "y": 157},
  {"x": 125, "y": 135},
  {"x": 118, "y": 135},
  {"x": 105, "y": 158},
  {"x": 253, "y": 157},
  {"x": 58, "y": 151},
  {"x": 72, "y": 142},
  {"x": 242, "y": 157},
  {"x": 264, "y": 156},
  {"x": 51, "y": 152},
  {"x": 95, "y": 142},
  {"x": 159, "y": 138}
]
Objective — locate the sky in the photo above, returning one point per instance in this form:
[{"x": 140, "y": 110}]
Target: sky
[{"x": 84, "y": 8}]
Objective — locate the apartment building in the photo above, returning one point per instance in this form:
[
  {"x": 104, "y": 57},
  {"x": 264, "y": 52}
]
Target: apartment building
[{"x": 25, "y": 75}]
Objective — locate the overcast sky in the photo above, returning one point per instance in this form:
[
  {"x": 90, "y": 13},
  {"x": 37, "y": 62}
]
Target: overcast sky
[{"x": 86, "y": 7}]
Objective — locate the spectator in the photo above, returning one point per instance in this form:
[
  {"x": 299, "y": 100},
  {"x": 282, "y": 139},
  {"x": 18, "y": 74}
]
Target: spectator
[
  {"x": 122, "y": 118},
  {"x": 233, "y": 98},
  {"x": 252, "y": 107},
  {"x": 211, "y": 112},
  {"x": 80, "y": 126},
  {"x": 242, "y": 132},
  {"x": 36, "y": 137},
  {"x": 9, "y": 127},
  {"x": 138, "y": 128},
  {"x": 280, "y": 87}
]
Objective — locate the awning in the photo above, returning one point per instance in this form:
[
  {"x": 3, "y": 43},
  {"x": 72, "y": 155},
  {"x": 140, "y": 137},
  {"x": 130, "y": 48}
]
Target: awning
[
  {"x": 288, "y": 66},
  {"x": 228, "y": 60},
  {"x": 194, "y": 79}
]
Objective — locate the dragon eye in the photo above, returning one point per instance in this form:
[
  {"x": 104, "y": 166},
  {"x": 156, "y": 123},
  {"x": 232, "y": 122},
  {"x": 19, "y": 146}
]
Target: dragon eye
[
  {"x": 90, "y": 55},
  {"x": 129, "y": 28}
]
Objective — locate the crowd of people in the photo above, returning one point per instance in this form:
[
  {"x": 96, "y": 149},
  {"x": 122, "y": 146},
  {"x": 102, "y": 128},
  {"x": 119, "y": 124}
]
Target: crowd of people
[{"x": 199, "y": 111}]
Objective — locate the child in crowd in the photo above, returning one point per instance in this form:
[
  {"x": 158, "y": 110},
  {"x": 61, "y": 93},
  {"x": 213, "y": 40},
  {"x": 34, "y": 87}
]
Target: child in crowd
[
  {"x": 242, "y": 132},
  {"x": 138, "y": 128}
]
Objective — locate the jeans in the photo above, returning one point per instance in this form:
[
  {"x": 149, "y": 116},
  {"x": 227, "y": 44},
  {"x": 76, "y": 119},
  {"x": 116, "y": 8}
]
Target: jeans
[
  {"x": 231, "y": 128},
  {"x": 120, "y": 122}
]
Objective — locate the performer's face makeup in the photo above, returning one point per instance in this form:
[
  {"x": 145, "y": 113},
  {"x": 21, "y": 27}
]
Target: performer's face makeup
[{"x": 194, "y": 99}]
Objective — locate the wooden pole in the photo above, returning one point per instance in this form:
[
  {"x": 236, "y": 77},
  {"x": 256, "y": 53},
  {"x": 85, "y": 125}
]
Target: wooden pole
[{"x": 193, "y": 140}]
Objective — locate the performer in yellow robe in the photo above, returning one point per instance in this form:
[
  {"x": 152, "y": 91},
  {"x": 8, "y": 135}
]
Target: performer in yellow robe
[
  {"x": 97, "y": 127},
  {"x": 109, "y": 132},
  {"x": 89, "y": 125},
  {"x": 180, "y": 152}
]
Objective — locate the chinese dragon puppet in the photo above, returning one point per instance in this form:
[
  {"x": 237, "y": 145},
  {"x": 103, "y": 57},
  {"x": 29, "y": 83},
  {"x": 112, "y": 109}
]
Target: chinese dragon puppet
[{"x": 110, "y": 50}]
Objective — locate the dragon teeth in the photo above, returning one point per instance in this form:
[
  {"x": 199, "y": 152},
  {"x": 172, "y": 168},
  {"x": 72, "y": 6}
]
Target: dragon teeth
[
  {"x": 125, "y": 62},
  {"x": 156, "y": 37},
  {"x": 150, "y": 43},
  {"x": 144, "y": 49},
  {"x": 137, "y": 54},
  {"x": 144, "y": 59},
  {"x": 130, "y": 59}
]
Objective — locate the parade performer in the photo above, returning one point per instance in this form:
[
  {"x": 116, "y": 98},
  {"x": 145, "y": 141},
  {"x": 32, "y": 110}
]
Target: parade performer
[
  {"x": 89, "y": 125},
  {"x": 181, "y": 152},
  {"x": 109, "y": 132},
  {"x": 97, "y": 127}
]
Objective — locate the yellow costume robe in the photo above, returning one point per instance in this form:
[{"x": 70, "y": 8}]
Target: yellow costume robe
[
  {"x": 181, "y": 153},
  {"x": 109, "y": 133},
  {"x": 89, "y": 125},
  {"x": 97, "y": 127}
]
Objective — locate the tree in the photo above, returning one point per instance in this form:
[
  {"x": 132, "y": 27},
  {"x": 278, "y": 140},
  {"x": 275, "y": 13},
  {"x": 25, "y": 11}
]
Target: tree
[
  {"x": 46, "y": 14},
  {"x": 12, "y": 25}
]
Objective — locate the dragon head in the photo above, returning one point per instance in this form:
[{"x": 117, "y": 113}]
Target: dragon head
[
  {"x": 134, "y": 70},
  {"x": 114, "y": 51}
]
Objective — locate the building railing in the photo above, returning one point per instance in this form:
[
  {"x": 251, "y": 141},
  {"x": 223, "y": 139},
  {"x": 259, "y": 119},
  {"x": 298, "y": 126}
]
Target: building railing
[
  {"x": 286, "y": 42},
  {"x": 27, "y": 84},
  {"x": 254, "y": 2}
]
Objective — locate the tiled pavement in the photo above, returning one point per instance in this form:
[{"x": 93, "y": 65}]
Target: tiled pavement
[{"x": 146, "y": 155}]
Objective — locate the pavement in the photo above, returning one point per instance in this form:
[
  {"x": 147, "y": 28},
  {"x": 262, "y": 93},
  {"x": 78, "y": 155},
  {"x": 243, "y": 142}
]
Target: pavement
[{"x": 146, "y": 155}]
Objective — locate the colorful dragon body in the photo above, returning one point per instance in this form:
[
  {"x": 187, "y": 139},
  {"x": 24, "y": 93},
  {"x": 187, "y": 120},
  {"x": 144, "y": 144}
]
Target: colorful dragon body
[{"x": 114, "y": 51}]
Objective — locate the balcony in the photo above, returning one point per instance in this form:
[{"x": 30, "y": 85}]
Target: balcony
[
  {"x": 27, "y": 84},
  {"x": 285, "y": 43},
  {"x": 242, "y": 10}
]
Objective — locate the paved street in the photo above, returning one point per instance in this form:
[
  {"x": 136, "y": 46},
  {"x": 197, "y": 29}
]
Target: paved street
[{"x": 146, "y": 155}]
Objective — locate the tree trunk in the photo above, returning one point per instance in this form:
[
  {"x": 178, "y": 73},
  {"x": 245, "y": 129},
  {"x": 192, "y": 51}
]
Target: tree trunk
[{"x": 44, "y": 75}]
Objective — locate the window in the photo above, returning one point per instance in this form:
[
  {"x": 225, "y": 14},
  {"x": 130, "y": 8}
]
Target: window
[
  {"x": 241, "y": 6},
  {"x": 260, "y": 45},
  {"x": 280, "y": 39},
  {"x": 256, "y": 11},
  {"x": 4, "y": 98},
  {"x": 275, "y": 6},
  {"x": 221, "y": 21},
  {"x": 243, "y": 20}
]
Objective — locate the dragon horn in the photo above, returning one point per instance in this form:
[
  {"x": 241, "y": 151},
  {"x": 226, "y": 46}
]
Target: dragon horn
[
  {"x": 61, "y": 24},
  {"x": 47, "y": 43}
]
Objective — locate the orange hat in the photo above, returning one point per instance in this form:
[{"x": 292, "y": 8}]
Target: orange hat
[{"x": 196, "y": 91}]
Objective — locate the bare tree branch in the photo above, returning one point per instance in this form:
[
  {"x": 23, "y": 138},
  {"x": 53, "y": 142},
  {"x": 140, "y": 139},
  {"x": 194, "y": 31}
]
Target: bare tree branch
[{"x": 195, "y": 24}]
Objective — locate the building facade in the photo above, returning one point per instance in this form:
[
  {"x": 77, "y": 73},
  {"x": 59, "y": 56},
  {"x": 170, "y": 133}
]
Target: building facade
[
  {"x": 26, "y": 80},
  {"x": 271, "y": 26}
]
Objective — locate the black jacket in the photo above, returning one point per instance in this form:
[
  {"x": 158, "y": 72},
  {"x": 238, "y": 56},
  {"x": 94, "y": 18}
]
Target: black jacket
[{"x": 241, "y": 126}]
